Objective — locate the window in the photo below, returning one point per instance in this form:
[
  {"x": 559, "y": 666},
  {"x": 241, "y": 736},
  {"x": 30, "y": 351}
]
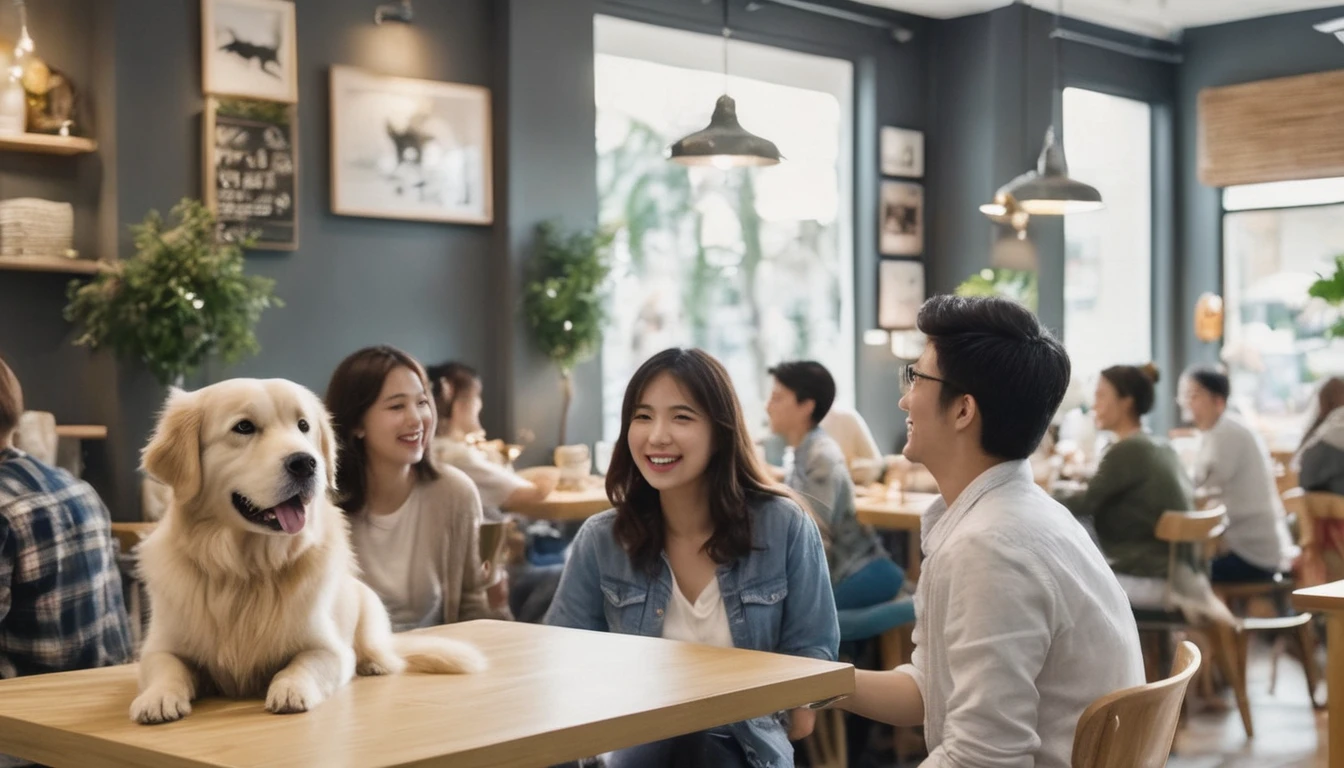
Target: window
[
  {"x": 1277, "y": 239},
  {"x": 754, "y": 266},
  {"x": 1108, "y": 261}
]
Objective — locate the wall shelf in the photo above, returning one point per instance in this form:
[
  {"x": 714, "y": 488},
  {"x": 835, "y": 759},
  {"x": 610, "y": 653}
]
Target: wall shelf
[
  {"x": 46, "y": 144},
  {"x": 82, "y": 431},
  {"x": 50, "y": 264}
]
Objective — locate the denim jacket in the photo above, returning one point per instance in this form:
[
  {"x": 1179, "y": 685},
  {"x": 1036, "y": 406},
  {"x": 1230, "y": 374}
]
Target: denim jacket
[{"x": 778, "y": 598}]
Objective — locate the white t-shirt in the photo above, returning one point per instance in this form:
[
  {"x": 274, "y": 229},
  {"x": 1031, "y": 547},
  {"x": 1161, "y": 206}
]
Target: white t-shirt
[
  {"x": 1233, "y": 460},
  {"x": 493, "y": 482},
  {"x": 400, "y": 561},
  {"x": 704, "y": 622}
]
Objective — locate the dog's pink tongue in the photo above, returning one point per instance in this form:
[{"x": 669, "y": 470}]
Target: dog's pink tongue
[{"x": 291, "y": 516}]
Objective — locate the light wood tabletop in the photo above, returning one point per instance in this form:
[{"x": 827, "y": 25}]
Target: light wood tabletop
[
  {"x": 898, "y": 513},
  {"x": 1329, "y": 600},
  {"x": 568, "y": 506},
  {"x": 550, "y": 695}
]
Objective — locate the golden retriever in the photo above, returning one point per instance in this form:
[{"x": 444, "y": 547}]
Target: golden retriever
[{"x": 252, "y": 583}]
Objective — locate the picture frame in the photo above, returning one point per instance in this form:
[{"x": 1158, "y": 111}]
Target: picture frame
[
  {"x": 901, "y": 219},
  {"x": 902, "y": 152},
  {"x": 900, "y": 293},
  {"x": 403, "y": 148},
  {"x": 249, "y": 49},
  {"x": 250, "y": 170}
]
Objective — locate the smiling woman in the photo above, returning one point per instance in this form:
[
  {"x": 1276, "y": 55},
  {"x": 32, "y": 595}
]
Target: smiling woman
[
  {"x": 414, "y": 526},
  {"x": 700, "y": 534}
]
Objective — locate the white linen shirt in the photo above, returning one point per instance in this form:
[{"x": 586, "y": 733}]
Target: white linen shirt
[{"x": 1021, "y": 626}]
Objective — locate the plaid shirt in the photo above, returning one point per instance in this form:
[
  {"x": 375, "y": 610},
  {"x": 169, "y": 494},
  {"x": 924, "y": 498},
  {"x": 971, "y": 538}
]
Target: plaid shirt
[{"x": 60, "y": 591}]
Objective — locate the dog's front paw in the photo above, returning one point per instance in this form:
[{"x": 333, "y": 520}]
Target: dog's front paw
[
  {"x": 292, "y": 694},
  {"x": 158, "y": 705}
]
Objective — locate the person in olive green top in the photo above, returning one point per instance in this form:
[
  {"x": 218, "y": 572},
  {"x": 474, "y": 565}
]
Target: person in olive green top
[{"x": 1139, "y": 478}]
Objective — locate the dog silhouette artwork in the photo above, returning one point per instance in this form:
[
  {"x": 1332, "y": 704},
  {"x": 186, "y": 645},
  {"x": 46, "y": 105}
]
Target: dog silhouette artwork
[{"x": 264, "y": 54}]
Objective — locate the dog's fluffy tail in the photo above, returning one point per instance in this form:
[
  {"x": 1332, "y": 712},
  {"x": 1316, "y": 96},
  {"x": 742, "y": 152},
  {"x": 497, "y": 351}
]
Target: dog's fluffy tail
[{"x": 438, "y": 655}]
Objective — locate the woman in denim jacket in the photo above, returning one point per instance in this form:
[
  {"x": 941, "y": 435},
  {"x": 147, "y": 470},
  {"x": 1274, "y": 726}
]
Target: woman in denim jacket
[{"x": 700, "y": 547}]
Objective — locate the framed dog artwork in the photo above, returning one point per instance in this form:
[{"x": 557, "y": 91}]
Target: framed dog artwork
[
  {"x": 409, "y": 149},
  {"x": 249, "y": 49}
]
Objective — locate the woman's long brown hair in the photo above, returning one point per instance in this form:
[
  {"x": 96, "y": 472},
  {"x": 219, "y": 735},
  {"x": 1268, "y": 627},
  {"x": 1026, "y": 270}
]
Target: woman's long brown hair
[
  {"x": 354, "y": 388},
  {"x": 733, "y": 476}
]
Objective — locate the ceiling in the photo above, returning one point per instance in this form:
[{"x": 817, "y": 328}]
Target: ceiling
[{"x": 1155, "y": 18}]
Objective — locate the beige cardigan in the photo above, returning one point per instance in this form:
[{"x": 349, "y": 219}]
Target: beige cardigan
[{"x": 454, "y": 497}]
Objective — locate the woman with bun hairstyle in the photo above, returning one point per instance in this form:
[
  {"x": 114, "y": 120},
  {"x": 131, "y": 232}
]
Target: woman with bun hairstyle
[{"x": 1140, "y": 477}]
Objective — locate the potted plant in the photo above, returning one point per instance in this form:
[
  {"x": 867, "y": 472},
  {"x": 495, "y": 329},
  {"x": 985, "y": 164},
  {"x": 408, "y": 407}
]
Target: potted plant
[
  {"x": 564, "y": 301},
  {"x": 1331, "y": 289},
  {"x": 1016, "y": 284},
  {"x": 181, "y": 298}
]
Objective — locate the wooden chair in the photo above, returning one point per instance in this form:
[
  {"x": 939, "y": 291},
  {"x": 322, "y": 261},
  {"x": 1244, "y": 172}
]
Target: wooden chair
[
  {"x": 1134, "y": 728},
  {"x": 1296, "y": 629},
  {"x": 1200, "y": 530}
]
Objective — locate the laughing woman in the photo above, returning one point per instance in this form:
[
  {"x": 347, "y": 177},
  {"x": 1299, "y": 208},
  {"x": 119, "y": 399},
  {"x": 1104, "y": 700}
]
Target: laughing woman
[
  {"x": 414, "y": 527},
  {"x": 700, "y": 547}
]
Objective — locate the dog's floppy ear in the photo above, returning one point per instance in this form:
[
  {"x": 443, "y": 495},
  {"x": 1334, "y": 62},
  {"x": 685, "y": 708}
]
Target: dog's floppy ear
[
  {"x": 326, "y": 439},
  {"x": 173, "y": 455}
]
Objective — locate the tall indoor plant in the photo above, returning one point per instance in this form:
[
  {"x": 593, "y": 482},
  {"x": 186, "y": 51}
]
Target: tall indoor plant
[
  {"x": 181, "y": 298},
  {"x": 564, "y": 300}
]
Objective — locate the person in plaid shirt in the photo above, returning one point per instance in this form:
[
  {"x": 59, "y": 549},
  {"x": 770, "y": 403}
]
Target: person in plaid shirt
[{"x": 61, "y": 604}]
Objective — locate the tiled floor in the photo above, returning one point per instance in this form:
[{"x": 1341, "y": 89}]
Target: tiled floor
[{"x": 1288, "y": 733}]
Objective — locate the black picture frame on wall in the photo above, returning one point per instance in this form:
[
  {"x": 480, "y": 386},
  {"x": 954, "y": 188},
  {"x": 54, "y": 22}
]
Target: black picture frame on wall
[
  {"x": 900, "y": 293},
  {"x": 902, "y": 152},
  {"x": 900, "y": 219}
]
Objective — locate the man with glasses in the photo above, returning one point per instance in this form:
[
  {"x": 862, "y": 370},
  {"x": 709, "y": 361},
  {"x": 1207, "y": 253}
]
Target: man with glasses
[{"x": 1021, "y": 624}]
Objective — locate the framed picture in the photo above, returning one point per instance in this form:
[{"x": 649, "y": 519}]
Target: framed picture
[
  {"x": 902, "y": 153},
  {"x": 901, "y": 219},
  {"x": 409, "y": 149},
  {"x": 249, "y": 49},
  {"x": 250, "y": 170},
  {"x": 900, "y": 294}
]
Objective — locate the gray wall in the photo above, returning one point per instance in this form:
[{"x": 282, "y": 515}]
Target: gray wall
[
  {"x": 353, "y": 282},
  {"x": 1225, "y": 54},
  {"x": 993, "y": 95}
]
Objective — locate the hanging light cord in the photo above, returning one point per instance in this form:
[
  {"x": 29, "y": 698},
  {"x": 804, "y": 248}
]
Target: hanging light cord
[
  {"x": 727, "y": 33},
  {"x": 1056, "y": 95}
]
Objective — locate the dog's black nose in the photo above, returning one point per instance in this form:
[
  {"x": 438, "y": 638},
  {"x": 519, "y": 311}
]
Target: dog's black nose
[{"x": 301, "y": 465}]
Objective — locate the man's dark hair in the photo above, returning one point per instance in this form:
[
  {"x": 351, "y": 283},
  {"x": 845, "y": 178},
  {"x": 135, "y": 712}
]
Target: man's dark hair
[
  {"x": 1211, "y": 379},
  {"x": 808, "y": 380},
  {"x": 996, "y": 351}
]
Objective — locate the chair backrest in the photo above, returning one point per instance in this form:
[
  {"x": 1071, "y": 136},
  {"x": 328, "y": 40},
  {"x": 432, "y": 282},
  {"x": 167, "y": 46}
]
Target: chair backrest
[
  {"x": 1322, "y": 505},
  {"x": 1192, "y": 527},
  {"x": 1134, "y": 727}
]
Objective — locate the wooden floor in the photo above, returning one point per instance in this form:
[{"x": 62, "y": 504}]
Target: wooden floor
[{"x": 1288, "y": 733}]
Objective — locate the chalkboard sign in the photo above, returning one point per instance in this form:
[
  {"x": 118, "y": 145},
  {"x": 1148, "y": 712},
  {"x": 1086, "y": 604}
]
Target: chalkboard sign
[{"x": 251, "y": 171}]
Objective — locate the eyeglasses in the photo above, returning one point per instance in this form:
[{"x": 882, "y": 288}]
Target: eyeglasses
[{"x": 909, "y": 374}]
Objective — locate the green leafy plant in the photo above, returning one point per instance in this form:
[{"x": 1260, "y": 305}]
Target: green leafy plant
[
  {"x": 564, "y": 300},
  {"x": 1016, "y": 284},
  {"x": 181, "y": 298},
  {"x": 1331, "y": 289}
]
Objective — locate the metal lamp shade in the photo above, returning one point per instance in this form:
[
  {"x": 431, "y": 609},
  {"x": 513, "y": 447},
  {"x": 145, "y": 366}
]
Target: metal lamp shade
[
  {"x": 724, "y": 143},
  {"x": 1048, "y": 190}
]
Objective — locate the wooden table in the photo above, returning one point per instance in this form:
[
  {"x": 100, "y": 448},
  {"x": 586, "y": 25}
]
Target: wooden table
[
  {"x": 551, "y": 695},
  {"x": 898, "y": 513},
  {"x": 1329, "y": 600},
  {"x": 568, "y": 506}
]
